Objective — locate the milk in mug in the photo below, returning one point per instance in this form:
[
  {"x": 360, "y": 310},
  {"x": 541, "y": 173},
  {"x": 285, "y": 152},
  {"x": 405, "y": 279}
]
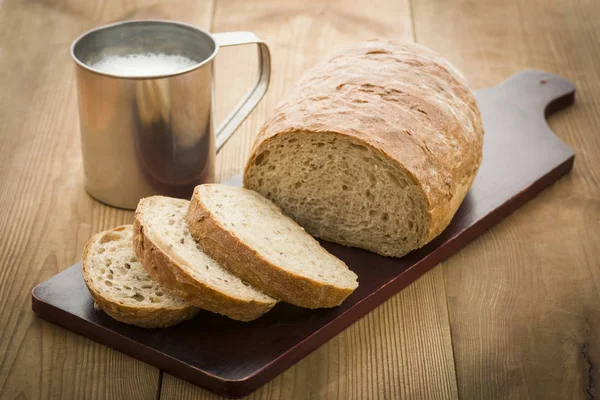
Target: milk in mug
[{"x": 144, "y": 64}]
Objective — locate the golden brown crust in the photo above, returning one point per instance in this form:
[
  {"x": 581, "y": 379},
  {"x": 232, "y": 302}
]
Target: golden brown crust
[
  {"x": 402, "y": 100},
  {"x": 145, "y": 317},
  {"x": 245, "y": 262},
  {"x": 168, "y": 272}
]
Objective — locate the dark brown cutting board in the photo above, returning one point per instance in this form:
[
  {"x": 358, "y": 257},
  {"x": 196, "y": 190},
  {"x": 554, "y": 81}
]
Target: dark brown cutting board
[{"x": 521, "y": 157}]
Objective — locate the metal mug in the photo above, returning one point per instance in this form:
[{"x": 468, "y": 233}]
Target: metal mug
[{"x": 142, "y": 135}]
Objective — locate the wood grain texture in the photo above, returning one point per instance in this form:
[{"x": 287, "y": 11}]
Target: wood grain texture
[
  {"x": 379, "y": 356},
  {"x": 45, "y": 214},
  {"x": 394, "y": 352},
  {"x": 524, "y": 300}
]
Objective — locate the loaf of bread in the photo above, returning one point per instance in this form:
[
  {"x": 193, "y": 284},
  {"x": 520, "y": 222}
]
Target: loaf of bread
[
  {"x": 248, "y": 235},
  {"x": 375, "y": 148},
  {"x": 171, "y": 256},
  {"x": 123, "y": 289}
]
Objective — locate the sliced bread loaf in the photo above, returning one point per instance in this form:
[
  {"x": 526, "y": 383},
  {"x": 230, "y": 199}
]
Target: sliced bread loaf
[
  {"x": 123, "y": 289},
  {"x": 251, "y": 237},
  {"x": 375, "y": 148},
  {"x": 171, "y": 256}
]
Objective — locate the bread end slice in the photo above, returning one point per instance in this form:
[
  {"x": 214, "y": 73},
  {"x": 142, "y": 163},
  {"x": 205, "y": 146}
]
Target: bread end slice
[
  {"x": 165, "y": 259},
  {"x": 210, "y": 222},
  {"x": 121, "y": 287}
]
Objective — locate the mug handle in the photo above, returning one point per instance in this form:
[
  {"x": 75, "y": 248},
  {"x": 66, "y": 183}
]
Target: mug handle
[{"x": 254, "y": 95}]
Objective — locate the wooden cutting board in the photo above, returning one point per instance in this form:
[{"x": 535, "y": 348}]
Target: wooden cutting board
[{"x": 521, "y": 157}]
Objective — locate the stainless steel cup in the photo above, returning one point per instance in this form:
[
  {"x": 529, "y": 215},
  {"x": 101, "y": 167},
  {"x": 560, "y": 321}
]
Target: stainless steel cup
[{"x": 142, "y": 136}]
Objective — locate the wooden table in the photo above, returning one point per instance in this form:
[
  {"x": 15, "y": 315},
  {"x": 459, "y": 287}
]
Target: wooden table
[{"x": 516, "y": 314}]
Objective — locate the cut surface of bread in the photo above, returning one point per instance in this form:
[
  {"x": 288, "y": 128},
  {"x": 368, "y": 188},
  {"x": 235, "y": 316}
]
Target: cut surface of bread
[
  {"x": 121, "y": 286},
  {"x": 250, "y": 236},
  {"x": 375, "y": 148},
  {"x": 342, "y": 191},
  {"x": 171, "y": 256}
]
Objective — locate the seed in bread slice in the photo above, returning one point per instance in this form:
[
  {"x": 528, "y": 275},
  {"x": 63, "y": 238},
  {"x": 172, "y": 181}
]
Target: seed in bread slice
[
  {"x": 171, "y": 256},
  {"x": 121, "y": 286},
  {"x": 250, "y": 236}
]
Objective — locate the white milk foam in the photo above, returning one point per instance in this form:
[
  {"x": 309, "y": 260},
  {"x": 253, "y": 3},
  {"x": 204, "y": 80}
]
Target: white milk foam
[{"x": 145, "y": 64}]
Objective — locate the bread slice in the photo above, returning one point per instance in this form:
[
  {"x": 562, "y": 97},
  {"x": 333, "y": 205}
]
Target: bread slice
[
  {"x": 123, "y": 289},
  {"x": 251, "y": 237},
  {"x": 171, "y": 256}
]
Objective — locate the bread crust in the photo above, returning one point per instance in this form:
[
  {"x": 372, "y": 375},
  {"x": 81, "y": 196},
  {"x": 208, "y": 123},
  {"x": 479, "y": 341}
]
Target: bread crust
[
  {"x": 146, "y": 317},
  {"x": 169, "y": 272},
  {"x": 402, "y": 100},
  {"x": 242, "y": 260}
]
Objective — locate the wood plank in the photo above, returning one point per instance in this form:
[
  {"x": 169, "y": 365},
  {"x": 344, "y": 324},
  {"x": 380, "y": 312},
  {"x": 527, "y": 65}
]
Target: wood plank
[
  {"x": 524, "y": 299},
  {"x": 402, "y": 349},
  {"x": 46, "y": 215}
]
